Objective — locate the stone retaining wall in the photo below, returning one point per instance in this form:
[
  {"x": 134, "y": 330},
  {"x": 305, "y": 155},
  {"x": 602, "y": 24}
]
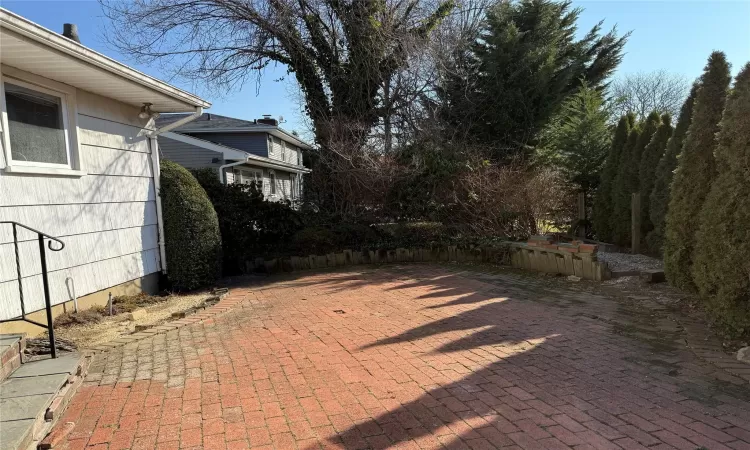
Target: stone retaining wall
[{"x": 518, "y": 255}]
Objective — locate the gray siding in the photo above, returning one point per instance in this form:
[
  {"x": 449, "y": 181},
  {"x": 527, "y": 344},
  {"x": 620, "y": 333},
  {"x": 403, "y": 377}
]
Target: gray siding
[
  {"x": 188, "y": 155},
  {"x": 254, "y": 143}
]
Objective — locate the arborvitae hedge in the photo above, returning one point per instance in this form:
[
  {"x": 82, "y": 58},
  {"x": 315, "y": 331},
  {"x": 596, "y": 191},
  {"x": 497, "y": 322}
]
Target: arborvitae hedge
[
  {"x": 721, "y": 268},
  {"x": 627, "y": 181},
  {"x": 649, "y": 160},
  {"x": 696, "y": 170},
  {"x": 659, "y": 198},
  {"x": 602, "y": 210},
  {"x": 619, "y": 220},
  {"x": 191, "y": 230}
]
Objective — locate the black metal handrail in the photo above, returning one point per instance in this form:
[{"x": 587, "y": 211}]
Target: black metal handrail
[{"x": 45, "y": 280}]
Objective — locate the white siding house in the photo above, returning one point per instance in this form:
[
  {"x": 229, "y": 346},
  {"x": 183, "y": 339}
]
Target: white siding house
[
  {"x": 77, "y": 163},
  {"x": 240, "y": 151}
]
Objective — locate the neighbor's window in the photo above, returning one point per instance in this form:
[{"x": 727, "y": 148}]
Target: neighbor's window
[
  {"x": 37, "y": 128},
  {"x": 272, "y": 176}
]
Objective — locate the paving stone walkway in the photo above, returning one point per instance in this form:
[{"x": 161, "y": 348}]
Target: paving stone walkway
[{"x": 413, "y": 356}]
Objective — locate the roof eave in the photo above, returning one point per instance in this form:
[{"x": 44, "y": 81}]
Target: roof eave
[
  {"x": 37, "y": 33},
  {"x": 276, "y": 131}
]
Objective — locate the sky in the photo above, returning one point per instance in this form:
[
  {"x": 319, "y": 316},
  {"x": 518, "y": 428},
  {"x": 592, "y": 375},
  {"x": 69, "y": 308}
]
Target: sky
[{"x": 675, "y": 35}]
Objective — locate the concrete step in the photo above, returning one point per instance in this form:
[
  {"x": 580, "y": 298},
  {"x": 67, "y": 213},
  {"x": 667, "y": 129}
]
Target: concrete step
[
  {"x": 11, "y": 352},
  {"x": 34, "y": 396}
]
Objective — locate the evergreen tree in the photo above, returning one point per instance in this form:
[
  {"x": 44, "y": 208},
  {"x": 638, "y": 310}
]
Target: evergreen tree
[
  {"x": 659, "y": 198},
  {"x": 628, "y": 181},
  {"x": 649, "y": 160},
  {"x": 576, "y": 139},
  {"x": 521, "y": 67},
  {"x": 722, "y": 244},
  {"x": 696, "y": 169},
  {"x": 620, "y": 217},
  {"x": 602, "y": 210}
]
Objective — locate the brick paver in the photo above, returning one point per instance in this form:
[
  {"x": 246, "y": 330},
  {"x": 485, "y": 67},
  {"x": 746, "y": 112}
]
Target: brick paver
[{"x": 415, "y": 357}]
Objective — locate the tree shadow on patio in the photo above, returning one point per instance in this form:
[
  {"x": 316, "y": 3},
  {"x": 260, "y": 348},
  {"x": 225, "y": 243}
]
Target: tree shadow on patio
[{"x": 508, "y": 371}]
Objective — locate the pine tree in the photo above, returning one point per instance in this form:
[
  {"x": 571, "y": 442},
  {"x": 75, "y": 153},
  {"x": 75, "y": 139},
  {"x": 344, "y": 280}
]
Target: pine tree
[
  {"x": 722, "y": 242},
  {"x": 620, "y": 217},
  {"x": 649, "y": 160},
  {"x": 659, "y": 198},
  {"x": 696, "y": 169},
  {"x": 522, "y": 65},
  {"x": 602, "y": 210},
  {"x": 577, "y": 139}
]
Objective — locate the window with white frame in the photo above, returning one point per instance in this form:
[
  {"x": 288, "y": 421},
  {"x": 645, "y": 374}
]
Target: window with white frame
[
  {"x": 38, "y": 124},
  {"x": 272, "y": 181},
  {"x": 248, "y": 176}
]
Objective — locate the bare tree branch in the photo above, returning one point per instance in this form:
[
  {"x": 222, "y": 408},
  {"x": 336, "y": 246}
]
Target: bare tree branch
[{"x": 644, "y": 92}]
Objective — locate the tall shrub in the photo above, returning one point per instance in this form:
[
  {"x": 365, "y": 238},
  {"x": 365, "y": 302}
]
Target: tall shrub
[
  {"x": 627, "y": 181},
  {"x": 696, "y": 169},
  {"x": 191, "y": 230},
  {"x": 649, "y": 160},
  {"x": 603, "y": 207},
  {"x": 659, "y": 198},
  {"x": 250, "y": 225},
  {"x": 721, "y": 270}
]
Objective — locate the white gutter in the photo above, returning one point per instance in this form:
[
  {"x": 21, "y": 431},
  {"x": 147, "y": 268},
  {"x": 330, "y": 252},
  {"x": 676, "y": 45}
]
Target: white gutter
[
  {"x": 221, "y": 169},
  {"x": 178, "y": 123},
  {"x": 156, "y": 171}
]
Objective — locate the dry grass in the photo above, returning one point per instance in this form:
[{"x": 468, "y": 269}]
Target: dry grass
[{"x": 93, "y": 326}]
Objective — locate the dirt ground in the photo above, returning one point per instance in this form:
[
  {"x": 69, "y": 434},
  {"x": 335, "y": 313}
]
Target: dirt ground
[{"x": 88, "y": 335}]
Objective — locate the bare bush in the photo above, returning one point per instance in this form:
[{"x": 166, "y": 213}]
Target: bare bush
[{"x": 512, "y": 200}]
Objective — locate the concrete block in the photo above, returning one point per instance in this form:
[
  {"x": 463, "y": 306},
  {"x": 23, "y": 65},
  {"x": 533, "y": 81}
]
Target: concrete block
[{"x": 653, "y": 276}]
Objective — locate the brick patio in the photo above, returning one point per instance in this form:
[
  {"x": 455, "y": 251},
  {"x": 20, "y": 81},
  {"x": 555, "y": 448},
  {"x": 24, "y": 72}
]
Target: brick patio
[{"x": 413, "y": 356}]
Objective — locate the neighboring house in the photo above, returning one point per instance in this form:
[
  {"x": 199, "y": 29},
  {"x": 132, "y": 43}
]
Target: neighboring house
[
  {"x": 78, "y": 161},
  {"x": 241, "y": 151}
]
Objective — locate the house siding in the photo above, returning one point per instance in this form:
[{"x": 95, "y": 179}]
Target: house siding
[
  {"x": 106, "y": 218},
  {"x": 288, "y": 153},
  {"x": 188, "y": 155},
  {"x": 253, "y": 143}
]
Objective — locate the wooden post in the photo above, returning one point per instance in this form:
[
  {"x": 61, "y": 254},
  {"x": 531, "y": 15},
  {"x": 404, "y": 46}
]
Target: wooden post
[
  {"x": 581, "y": 215},
  {"x": 635, "y": 223}
]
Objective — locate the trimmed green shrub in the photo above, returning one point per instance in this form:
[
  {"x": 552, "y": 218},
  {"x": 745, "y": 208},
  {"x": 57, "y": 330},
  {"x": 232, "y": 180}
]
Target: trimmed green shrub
[
  {"x": 603, "y": 207},
  {"x": 659, "y": 198},
  {"x": 627, "y": 181},
  {"x": 250, "y": 225},
  {"x": 649, "y": 160},
  {"x": 191, "y": 230},
  {"x": 721, "y": 266},
  {"x": 620, "y": 217},
  {"x": 696, "y": 170}
]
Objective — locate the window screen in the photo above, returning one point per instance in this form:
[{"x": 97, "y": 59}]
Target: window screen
[{"x": 35, "y": 126}]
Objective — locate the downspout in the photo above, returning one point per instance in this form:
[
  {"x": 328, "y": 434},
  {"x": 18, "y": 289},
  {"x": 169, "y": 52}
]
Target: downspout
[
  {"x": 156, "y": 170},
  {"x": 225, "y": 166}
]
